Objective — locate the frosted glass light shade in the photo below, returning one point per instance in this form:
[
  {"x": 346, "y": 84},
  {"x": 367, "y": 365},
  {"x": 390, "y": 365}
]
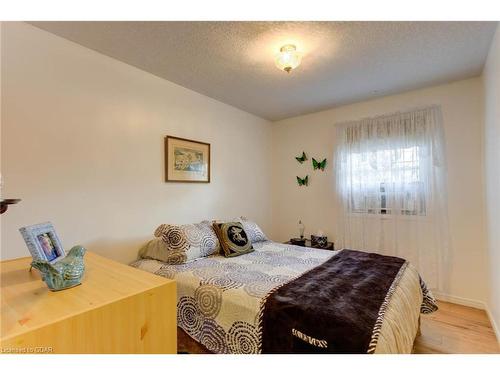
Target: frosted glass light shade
[{"x": 288, "y": 58}]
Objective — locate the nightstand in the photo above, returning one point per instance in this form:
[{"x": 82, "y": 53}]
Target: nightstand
[
  {"x": 307, "y": 243},
  {"x": 116, "y": 309}
]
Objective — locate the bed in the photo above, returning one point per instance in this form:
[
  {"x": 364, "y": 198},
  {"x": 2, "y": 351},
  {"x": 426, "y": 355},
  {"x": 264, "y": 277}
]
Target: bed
[{"x": 222, "y": 302}]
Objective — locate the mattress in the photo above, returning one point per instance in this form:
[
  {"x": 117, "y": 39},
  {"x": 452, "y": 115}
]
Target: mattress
[{"x": 219, "y": 300}]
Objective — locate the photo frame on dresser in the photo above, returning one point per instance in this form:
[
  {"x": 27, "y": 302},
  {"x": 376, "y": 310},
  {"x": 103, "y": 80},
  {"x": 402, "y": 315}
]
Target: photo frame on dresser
[
  {"x": 186, "y": 160},
  {"x": 43, "y": 242}
]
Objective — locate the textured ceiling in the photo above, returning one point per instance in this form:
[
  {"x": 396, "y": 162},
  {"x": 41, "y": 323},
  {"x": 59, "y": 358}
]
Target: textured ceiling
[{"x": 343, "y": 62}]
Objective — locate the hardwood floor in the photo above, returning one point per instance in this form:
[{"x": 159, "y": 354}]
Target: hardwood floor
[{"x": 456, "y": 329}]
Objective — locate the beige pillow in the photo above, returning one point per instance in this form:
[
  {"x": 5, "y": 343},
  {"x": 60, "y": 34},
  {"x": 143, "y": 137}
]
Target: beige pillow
[{"x": 157, "y": 249}]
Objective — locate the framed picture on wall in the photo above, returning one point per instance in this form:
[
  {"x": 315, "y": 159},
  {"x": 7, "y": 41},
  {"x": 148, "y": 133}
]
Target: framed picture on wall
[{"x": 186, "y": 160}]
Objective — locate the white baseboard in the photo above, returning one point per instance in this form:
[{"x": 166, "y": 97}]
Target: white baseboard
[{"x": 459, "y": 300}]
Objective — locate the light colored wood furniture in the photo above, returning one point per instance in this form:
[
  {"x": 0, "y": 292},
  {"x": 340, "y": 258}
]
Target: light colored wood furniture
[
  {"x": 456, "y": 329},
  {"x": 116, "y": 309}
]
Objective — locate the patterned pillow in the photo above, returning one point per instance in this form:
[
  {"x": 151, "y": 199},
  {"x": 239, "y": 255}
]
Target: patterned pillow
[
  {"x": 255, "y": 234},
  {"x": 233, "y": 238},
  {"x": 188, "y": 242}
]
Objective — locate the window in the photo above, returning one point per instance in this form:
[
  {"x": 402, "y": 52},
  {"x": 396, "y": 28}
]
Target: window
[{"x": 386, "y": 180}]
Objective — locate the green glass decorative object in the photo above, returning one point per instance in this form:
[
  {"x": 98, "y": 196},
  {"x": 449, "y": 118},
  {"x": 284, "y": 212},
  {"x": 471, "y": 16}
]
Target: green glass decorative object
[
  {"x": 303, "y": 181},
  {"x": 65, "y": 273},
  {"x": 319, "y": 164},
  {"x": 301, "y": 159}
]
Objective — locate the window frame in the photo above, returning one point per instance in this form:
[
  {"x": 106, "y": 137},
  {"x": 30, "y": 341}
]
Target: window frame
[{"x": 420, "y": 203}]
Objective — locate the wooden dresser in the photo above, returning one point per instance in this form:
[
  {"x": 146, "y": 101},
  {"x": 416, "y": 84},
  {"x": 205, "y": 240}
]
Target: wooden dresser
[{"x": 116, "y": 309}]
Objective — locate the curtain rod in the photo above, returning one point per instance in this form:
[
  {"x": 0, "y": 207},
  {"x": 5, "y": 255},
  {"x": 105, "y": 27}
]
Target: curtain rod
[{"x": 398, "y": 113}]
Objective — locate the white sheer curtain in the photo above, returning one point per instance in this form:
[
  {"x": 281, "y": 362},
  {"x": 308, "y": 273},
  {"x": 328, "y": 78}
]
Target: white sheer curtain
[{"x": 391, "y": 189}]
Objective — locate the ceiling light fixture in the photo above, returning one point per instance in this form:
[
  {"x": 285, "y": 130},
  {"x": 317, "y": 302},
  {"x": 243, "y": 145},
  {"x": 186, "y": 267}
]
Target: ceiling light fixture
[{"x": 288, "y": 58}]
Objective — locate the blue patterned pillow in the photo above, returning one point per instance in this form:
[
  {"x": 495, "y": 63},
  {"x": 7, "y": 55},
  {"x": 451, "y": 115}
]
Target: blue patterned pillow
[
  {"x": 188, "y": 242},
  {"x": 255, "y": 234}
]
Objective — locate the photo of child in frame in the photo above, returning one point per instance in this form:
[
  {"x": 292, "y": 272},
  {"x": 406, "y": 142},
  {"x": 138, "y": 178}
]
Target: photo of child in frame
[
  {"x": 48, "y": 247},
  {"x": 43, "y": 242}
]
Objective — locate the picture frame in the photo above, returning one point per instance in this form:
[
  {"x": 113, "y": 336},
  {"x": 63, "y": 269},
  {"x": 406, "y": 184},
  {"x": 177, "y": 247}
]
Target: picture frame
[
  {"x": 186, "y": 160},
  {"x": 43, "y": 242}
]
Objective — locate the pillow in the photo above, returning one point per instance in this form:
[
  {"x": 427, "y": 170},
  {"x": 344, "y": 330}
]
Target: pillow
[
  {"x": 255, "y": 234},
  {"x": 188, "y": 242},
  {"x": 233, "y": 238},
  {"x": 157, "y": 249}
]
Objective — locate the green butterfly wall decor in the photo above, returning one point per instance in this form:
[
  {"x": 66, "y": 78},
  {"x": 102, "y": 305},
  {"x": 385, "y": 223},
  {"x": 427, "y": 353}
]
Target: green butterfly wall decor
[
  {"x": 303, "y": 181},
  {"x": 319, "y": 164},
  {"x": 302, "y": 158}
]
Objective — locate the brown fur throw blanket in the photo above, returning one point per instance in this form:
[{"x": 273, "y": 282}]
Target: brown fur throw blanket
[{"x": 336, "y": 307}]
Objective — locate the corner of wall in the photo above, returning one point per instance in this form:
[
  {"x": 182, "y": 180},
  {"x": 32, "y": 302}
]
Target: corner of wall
[
  {"x": 494, "y": 325},
  {"x": 490, "y": 80}
]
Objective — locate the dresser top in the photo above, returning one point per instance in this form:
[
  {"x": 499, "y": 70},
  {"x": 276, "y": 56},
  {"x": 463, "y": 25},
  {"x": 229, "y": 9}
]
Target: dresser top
[{"x": 28, "y": 304}]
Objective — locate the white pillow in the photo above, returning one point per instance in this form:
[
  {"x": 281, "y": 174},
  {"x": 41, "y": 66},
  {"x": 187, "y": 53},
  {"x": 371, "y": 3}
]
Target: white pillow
[{"x": 253, "y": 231}]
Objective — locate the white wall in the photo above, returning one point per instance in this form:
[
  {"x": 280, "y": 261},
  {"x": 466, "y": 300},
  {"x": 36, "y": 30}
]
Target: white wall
[
  {"x": 462, "y": 111},
  {"x": 491, "y": 80},
  {"x": 82, "y": 145}
]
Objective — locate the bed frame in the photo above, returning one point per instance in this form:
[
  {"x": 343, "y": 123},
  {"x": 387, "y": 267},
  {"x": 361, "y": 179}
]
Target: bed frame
[{"x": 187, "y": 345}]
